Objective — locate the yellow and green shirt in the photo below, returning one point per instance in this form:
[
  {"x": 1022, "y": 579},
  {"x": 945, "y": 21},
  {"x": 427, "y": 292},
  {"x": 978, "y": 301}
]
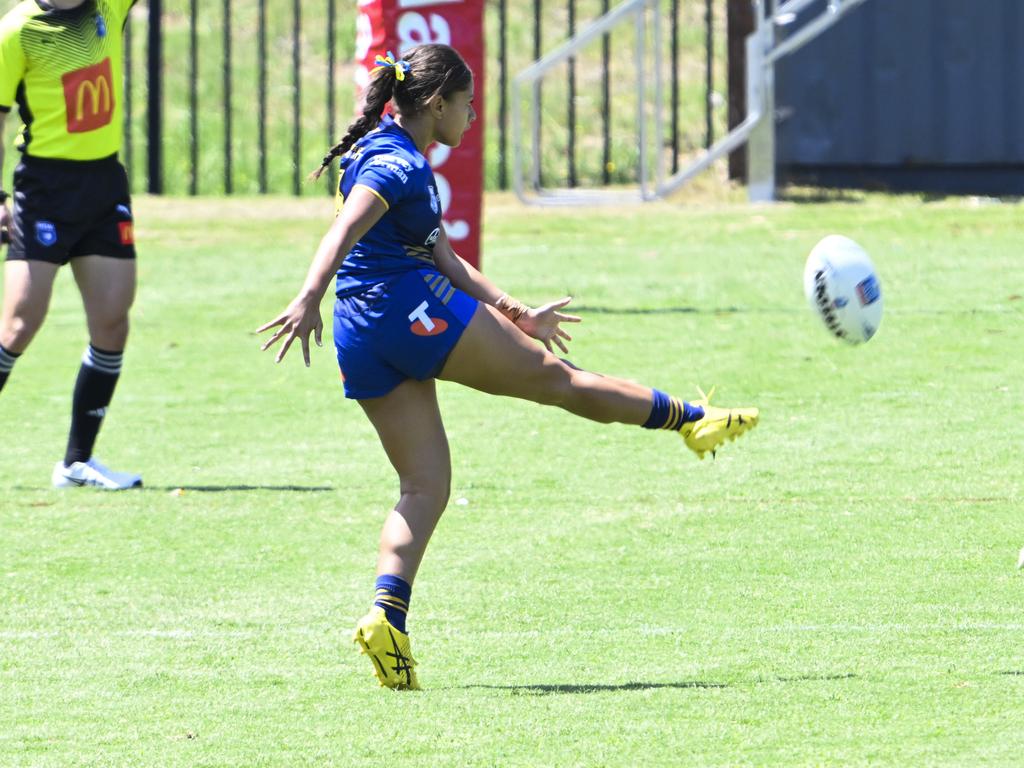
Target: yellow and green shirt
[{"x": 65, "y": 70}]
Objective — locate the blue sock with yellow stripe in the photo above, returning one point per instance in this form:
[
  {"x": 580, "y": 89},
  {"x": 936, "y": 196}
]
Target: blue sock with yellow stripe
[
  {"x": 671, "y": 412},
  {"x": 393, "y": 595}
]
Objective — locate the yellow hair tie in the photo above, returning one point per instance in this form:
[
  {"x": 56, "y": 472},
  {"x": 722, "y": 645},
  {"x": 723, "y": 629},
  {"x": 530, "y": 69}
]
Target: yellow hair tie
[{"x": 401, "y": 66}]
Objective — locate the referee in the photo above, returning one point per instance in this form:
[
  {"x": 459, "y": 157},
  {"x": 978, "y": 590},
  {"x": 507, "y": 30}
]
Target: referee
[{"x": 61, "y": 62}]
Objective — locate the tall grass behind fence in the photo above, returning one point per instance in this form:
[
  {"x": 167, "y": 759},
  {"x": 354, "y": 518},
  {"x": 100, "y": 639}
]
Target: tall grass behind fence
[
  {"x": 232, "y": 129},
  {"x": 213, "y": 131},
  {"x": 592, "y": 138}
]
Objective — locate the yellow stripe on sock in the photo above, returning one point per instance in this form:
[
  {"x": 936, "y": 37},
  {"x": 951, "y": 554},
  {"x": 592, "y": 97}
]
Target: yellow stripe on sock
[
  {"x": 672, "y": 409},
  {"x": 392, "y": 601}
]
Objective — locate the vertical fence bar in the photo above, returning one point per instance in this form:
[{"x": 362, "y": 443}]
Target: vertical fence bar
[
  {"x": 709, "y": 63},
  {"x": 155, "y": 57},
  {"x": 538, "y": 168},
  {"x": 641, "y": 91},
  {"x": 193, "y": 99},
  {"x": 571, "y": 148},
  {"x": 229, "y": 170},
  {"x": 331, "y": 55},
  {"x": 128, "y": 158},
  {"x": 674, "y": 78},
  {"x": 502, "y": 95},
  {"x": 740, "y": 22},
  {"x": 297, "y": 98},
  {"x": 261, "y": 90},
  {"x": 606, "y": 103}
]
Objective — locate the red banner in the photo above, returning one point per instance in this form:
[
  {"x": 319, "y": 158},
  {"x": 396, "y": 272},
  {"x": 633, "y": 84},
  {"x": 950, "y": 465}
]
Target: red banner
[{"x": 398, "y": 25}]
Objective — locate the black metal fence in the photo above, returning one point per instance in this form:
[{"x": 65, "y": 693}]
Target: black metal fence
[{"x": 245, "y": 98}]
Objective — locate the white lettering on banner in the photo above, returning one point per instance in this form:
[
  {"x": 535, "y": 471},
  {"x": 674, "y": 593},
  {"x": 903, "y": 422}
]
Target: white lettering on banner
[
  {"x": 439, "y": 154},
  {"x": 420, "y": 313},
  {"x": 418, "y": 28},
  {"x": 413, "y": 29},
  {"x": 364, "y": 36},
  {"x": 457, "y": 230},
  {"x": 421, "y": 3}
]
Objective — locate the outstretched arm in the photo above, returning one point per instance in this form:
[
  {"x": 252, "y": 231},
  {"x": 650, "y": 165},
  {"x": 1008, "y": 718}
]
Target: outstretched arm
[
  {"x": 464, "y": 275},
  {"x": 542, "y": 323},
  {"x": 362, "y": 209}
]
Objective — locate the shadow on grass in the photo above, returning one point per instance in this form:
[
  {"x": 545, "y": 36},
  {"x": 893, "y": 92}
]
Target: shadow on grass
[
  {"x": 547, "y": 690},
  {"x": 230, "y": 488},
  {"x": 810, "y": 678},
  {"x": 820, "y": 195},
  {"x": 597, "y": 310}
]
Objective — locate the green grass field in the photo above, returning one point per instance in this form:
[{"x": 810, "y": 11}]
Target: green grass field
[{"x": 838, "y": 588}]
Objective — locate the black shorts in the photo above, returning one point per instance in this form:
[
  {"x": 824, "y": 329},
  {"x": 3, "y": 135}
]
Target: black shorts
[{"x": 69, "y": 208}]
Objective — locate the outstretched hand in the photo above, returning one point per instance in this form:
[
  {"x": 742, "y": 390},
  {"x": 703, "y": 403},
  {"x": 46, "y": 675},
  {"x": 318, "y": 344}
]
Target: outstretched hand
[
  {"x": 300, "y": 319},
  {"x": 544, "y": 324}
]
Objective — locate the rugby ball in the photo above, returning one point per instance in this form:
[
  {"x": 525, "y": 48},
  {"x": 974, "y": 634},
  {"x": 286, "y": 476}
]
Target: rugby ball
[{"x": 843, "y": 289}]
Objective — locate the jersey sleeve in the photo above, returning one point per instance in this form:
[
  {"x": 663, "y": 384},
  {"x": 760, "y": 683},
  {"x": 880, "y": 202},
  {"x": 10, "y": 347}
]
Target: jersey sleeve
[
  {"x": 387, "y": 176},
  {"x": 12, "y": 60}
]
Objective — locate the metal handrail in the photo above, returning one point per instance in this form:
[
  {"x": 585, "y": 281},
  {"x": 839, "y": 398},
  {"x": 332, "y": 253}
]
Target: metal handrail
[
  {"x": 531, "y": 77},
  {"x": 762, "y": 55}
]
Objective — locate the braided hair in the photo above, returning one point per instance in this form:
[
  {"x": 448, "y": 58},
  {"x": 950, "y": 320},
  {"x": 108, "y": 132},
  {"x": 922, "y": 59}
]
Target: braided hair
[{"x": 431, "y": 69}]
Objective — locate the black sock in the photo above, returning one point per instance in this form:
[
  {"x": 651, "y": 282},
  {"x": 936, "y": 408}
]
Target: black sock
[
  {"x": 93, "y": 390},
  {"x": 7, "y": 361}
]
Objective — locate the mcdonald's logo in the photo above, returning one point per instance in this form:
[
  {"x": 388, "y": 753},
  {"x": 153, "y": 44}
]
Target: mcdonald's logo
[
  {"x": 127, "y": 231},
  {"x": 89, "y": 97}
]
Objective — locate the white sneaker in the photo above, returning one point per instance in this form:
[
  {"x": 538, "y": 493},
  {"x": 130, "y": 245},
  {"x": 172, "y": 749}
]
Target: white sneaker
[{"x": 93, "y": 473}]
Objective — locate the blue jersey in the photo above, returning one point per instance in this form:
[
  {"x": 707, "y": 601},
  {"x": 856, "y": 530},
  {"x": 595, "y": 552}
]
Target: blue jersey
[{"x": 386, "y": 162}]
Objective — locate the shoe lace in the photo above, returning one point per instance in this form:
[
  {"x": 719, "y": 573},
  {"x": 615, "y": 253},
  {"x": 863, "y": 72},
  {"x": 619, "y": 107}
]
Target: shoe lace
[
  {"x": 403, "y": 663},
  {"x": 705, "y": 397}
]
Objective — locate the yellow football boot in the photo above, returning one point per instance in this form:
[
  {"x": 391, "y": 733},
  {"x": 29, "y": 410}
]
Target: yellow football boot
[
  {"x": 388, "y": 649},
  {"x": 710, "y": 432}
]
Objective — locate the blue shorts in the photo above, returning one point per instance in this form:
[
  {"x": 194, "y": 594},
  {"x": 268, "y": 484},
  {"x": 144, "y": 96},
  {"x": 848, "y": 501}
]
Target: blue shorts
[{"x": 403, "y": 329}]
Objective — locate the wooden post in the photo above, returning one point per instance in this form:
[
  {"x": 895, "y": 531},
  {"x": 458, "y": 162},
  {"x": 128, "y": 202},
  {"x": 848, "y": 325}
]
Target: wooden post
[{"x": 741, "y": 23}]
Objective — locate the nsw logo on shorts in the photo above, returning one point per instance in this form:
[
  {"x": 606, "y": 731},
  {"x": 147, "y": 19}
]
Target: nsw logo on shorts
[
  {"x": 46, "y": 233},
  {"x": 423, "y": 324}
]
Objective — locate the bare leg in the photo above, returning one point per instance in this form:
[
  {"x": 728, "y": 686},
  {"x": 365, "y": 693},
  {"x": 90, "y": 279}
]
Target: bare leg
[
  {"x": 108, "y": 291},
  {"x": 494, "y": 356},
  {"x": 408, "y": 422},
  {"x": 28, "y": 286},
  {"x": 107, "y": 286}
]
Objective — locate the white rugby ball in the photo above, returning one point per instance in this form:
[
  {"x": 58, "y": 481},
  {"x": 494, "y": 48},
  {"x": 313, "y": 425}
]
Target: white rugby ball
[{"x": 843, "y": 289}]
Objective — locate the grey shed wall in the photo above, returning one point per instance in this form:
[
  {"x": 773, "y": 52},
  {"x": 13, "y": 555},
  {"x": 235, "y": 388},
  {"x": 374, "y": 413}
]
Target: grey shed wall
[{"x": 908, "y": 94}]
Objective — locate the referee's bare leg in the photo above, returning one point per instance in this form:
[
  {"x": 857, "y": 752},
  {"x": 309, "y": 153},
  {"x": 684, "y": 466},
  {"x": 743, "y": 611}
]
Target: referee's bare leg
[
  {"x": 107, "y": 286},
  {"x": 28, "y": 286}
]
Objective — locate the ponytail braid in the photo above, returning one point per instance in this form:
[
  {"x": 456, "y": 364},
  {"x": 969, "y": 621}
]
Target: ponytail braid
[
  {"x": 380, "y": 91},
  {"x": 427, "y": 70}
]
